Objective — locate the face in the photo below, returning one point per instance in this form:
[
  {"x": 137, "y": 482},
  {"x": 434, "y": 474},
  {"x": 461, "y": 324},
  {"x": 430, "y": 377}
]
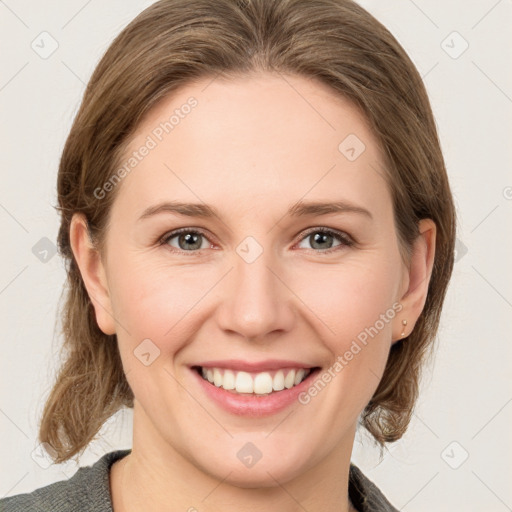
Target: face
[{"x": 265, "y": 280}]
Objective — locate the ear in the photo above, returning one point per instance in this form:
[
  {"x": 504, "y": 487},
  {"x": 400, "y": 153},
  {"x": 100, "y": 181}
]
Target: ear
[
  {"x": 417, "y": 279},
  {"x": 93, "y": 273}
]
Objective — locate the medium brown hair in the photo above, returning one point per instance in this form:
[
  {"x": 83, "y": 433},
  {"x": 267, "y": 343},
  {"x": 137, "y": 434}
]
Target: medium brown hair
[{"x": 174, "y": 42}]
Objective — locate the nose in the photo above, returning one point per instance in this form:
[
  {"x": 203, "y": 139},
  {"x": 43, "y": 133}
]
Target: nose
[{"x": 256, "y": 302}]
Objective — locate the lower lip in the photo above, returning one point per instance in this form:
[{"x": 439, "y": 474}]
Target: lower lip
[{"x": 255, "y": 405}]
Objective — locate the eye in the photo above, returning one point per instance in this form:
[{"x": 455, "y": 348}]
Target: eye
[
  {"x": 321, "y": 239},
  {"x": 188, "y": 240},
  {"x": 192, "y": 240}
]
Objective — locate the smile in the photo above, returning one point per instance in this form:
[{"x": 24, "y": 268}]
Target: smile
[
  {"x": 255, "y": 383},
  {"x": 253, "y": 388}
]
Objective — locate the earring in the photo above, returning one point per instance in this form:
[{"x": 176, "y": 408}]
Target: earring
[{"x": 404, "y": 323}]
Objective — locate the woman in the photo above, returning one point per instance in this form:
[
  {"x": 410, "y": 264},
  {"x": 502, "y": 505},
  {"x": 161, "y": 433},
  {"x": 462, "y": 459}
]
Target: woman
[{"x": 219, "y": 146}]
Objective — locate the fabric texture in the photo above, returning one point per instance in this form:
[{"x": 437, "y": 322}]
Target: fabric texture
[{"x": 88, "y": 490}]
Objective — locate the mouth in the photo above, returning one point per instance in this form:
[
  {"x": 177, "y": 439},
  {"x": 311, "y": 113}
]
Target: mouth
[{"x": 255, "y": 384}]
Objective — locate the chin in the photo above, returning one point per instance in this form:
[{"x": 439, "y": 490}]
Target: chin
[{"x": 267, "y": 471}]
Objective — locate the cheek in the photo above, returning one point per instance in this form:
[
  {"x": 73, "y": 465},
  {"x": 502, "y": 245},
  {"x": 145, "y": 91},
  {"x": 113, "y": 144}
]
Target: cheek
[
  {"x": 163, "y": 303},
  {"x": 349, "y": 298},
  {"x": 358, "y": 307},
  {"x": 149, "y": 300}
]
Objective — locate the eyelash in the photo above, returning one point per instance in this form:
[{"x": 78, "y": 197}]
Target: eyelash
[{"x": 346, "y": 240}]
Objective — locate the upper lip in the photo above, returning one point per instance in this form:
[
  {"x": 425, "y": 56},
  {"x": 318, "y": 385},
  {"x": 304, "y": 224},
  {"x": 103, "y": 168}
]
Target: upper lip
[{"x": 254, "y": 366}]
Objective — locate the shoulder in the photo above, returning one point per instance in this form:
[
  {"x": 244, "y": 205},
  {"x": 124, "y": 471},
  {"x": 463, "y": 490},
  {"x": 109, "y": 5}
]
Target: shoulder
[
  {"x": 365, "y": 495},
  {"x": 87, "y": 490}
]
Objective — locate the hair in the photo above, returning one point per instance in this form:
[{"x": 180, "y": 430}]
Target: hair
[{"x": 174, "y": 42}]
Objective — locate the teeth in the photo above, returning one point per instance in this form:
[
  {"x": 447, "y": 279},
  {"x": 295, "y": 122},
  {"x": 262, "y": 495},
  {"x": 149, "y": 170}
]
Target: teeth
[
  {"x": 263, "y": 383},
  {"x": 244, "y": 383},
  {"x": 229, "y": 380},
  {"x": 257, "y": 383},
  {"x": 289, "y": 380},
  {"x": 299, "y": 376},
  {"x": 278, "y": 382},
  {"x": 217, "y": 377}
]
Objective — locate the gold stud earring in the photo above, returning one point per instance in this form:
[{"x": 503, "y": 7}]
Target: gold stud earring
[{"x": 404, "y": 323}]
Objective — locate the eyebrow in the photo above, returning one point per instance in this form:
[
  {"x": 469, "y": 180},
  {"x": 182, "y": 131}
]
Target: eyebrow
[{"x": 299, "y": 209}]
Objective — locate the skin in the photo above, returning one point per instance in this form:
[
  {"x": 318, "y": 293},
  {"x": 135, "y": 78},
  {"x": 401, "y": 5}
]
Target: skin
[{"x": 251, "y": 148}]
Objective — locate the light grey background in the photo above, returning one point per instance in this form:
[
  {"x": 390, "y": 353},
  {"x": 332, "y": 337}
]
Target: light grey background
[{"x": 465, "y": 408}]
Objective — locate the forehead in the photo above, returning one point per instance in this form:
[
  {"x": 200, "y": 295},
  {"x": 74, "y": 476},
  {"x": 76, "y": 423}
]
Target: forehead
[{"x": 266, "y": 139}]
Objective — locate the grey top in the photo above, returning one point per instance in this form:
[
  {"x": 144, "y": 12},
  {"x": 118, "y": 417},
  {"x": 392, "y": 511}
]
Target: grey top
[{"x": 88, "y": 490}]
